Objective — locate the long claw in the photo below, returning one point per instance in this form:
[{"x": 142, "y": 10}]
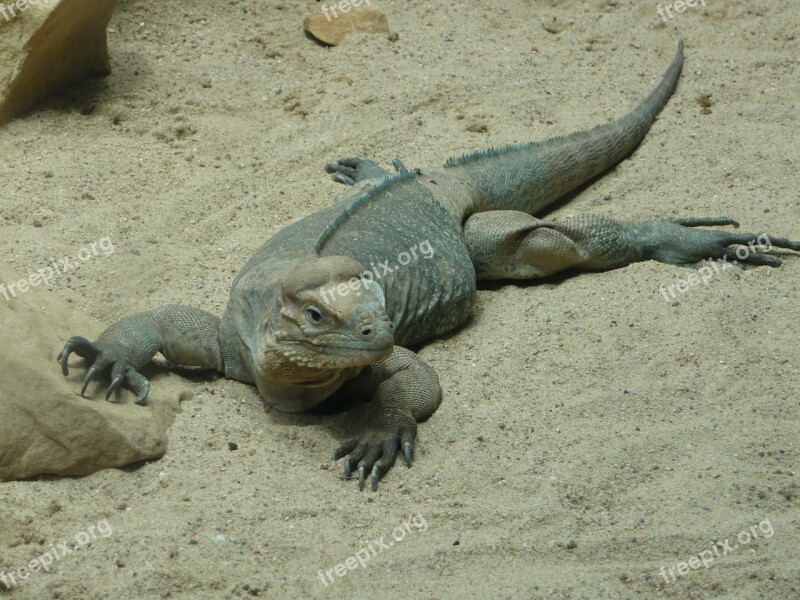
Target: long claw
[
  {"x": 62, "y": 360},
  {"x": 139, "y": 384},
  {"x": 375, "y": 477},
  {"x": 408, "y": 450},
  {"x": 80, "y": 346},
  {"x": 115, "y": 383},
  {"x": 345, "y": 448},
  {"x": 348, "y": 469},
  {"x": 361, "y": 473},
  {"x": 141, "y": 399},
  {"x": 86, "y": 380}
]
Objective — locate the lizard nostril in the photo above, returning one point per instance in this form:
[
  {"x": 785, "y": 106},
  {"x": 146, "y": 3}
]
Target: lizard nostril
[{"x": 366, "y": 331}]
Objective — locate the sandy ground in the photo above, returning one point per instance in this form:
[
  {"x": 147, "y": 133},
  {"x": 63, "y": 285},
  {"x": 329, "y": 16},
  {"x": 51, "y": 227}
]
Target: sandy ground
[{"x": 591, "y": 432}]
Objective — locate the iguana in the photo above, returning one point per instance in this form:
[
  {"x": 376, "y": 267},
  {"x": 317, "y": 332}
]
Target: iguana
[{"x": 318, "y": 310}]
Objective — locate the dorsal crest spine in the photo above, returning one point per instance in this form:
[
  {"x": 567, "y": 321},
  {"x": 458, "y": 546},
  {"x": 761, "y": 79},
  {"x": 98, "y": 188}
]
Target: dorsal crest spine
[{"x": 387, "y": 182}]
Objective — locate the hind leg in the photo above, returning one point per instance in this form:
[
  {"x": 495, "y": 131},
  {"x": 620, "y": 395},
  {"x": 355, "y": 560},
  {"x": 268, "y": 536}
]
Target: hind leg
[{"x": 507, "y": 244}]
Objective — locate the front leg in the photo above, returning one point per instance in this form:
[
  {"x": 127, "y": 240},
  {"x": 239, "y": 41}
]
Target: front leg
[
  {"x": 406, "y": 392},
  {"x": 184, "y": 335},
  {"x": 350, "y": 171}
]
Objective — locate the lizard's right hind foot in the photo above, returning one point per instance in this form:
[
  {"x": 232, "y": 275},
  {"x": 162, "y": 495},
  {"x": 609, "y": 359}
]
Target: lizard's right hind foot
[
  {"x": 350, "y": 171},
  {"x": 101, "y": 357}
]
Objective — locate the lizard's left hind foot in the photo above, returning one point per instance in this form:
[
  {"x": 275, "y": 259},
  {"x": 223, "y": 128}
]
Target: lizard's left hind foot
[{"x": 677, "y": 242}]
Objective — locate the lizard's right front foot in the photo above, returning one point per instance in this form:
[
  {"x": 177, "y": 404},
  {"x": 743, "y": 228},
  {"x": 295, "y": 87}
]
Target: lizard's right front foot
[{"x": 102, "y": 356}]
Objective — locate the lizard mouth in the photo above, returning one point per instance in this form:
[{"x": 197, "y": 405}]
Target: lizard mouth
[{"x": 375, "y": 350}]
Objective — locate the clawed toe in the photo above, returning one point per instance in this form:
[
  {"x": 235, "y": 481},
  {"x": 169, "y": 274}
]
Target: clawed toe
[
  {"x": 342, "y": 173},
  {"x": 398, "y": 165},
  {"x": 350, "y": 171},
  {"x": 706, "y": 221},
  {"x": 373, "y": 456},
  {"x": 80, "y": 346},
  {"x": 100, "y": 358},
  {"x": 677, "y": 241}
]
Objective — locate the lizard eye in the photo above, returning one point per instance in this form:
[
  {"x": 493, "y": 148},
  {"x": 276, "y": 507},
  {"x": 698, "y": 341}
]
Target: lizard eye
[{"x": 314, "y": 315}]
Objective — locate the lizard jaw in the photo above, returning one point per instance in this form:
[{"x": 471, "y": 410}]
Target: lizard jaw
[
  {"x": 308, "y": 355},
  {"x": 351, "y": 351},
  {"x": 302, "y": 364}
]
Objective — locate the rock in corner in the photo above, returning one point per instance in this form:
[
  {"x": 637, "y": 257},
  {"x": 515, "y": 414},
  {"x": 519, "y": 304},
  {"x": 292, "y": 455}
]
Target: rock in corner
[
  {"x": 46, "y": 44},
  {"x": 45, "y": 425}
]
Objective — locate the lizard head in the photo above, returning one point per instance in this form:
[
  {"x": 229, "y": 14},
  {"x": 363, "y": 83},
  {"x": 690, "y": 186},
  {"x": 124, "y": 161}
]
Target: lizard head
[{"x": 331, "y": 323}]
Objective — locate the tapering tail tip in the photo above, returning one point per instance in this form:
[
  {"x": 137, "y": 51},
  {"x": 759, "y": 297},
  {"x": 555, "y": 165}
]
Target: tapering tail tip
[{"x": 679, "y": 55}]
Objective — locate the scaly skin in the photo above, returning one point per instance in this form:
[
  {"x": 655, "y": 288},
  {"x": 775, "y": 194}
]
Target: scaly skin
[{"x": 305, "y": 322}]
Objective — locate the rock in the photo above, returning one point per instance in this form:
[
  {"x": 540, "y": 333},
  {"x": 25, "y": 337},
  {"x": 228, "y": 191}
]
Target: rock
[
  {"x": 337, "y": 19},
  {"x": 45, "y": 426},
  {"x": 554, "y": 25},
  {"x": 45, "y": 44}
]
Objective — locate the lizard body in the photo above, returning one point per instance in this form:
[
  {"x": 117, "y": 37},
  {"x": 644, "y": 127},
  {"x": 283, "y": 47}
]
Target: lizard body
[{"x": 316, "y": 311}]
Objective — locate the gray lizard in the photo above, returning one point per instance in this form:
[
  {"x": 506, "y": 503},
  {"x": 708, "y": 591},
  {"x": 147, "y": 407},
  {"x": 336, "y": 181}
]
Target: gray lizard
[{"x": 318, "y": 311}]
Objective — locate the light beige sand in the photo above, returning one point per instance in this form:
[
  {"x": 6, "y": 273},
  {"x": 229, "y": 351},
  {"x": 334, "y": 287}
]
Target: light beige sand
[{"x": 591, "y": 432}]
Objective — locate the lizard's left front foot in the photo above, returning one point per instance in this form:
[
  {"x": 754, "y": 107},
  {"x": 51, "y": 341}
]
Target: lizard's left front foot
[
  {"x": 408, "y": 393},
  {"x": 376, "y": 450},
  {"x": 350, "y": 171},
  {"x": 676, "y": 242}
]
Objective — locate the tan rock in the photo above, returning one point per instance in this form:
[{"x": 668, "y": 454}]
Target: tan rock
[
  {"x": 45, "y": 425},
  {"x": 46, "y": 44},
  {"x": 336, "y": 19}
]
